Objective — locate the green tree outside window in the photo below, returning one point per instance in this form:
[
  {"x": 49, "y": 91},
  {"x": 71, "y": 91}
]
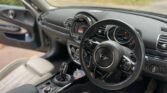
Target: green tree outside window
[{"x": 11, "y": 2}]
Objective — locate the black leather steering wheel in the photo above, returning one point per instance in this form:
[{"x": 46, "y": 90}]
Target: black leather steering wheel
[{"x": 103, "y": 59}]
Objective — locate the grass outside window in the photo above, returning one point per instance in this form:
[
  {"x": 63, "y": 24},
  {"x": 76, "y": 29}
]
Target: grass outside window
[{"x": 11, "y": 2}]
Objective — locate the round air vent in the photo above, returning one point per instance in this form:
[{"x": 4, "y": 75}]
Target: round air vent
[{"x": 162, "y": 43}]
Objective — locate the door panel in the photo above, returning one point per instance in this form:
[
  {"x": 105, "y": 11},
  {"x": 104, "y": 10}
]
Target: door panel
[{"x": 18, "y": 28}]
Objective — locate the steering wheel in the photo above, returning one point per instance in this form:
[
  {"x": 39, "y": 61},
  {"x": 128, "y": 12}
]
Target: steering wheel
[{"x": 108, "y": 64}]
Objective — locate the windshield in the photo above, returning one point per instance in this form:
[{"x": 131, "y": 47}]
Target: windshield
[{"x": 156, "y": 6}]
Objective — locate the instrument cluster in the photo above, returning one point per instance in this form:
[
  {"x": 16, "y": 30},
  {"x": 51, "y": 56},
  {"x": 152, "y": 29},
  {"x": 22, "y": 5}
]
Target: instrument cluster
[{"x": 120, "y": 35}]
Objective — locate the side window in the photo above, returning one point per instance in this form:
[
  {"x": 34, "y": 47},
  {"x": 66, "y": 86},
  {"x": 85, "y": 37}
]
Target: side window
[{"x": 11, "y": 2}]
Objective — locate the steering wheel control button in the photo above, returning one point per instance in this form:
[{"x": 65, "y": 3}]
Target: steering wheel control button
[{"x": 126, "y": 66}]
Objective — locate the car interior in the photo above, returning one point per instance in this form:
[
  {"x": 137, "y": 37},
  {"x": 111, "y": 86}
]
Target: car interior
[{"x": 87, "y": 49}]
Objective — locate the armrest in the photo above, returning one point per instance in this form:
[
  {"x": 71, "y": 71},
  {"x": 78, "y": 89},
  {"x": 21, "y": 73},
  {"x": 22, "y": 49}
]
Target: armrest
[{"x": 25, "y": 89}]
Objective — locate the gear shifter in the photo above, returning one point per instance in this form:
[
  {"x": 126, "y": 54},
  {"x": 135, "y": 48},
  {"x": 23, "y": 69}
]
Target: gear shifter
[
  {"x": 62, "y": 78},
  {"x": 63, "y": 71}
]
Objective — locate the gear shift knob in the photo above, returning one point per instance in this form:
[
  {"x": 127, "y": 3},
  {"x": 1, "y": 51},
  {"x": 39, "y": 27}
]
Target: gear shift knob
[
  {"x": 63, "y": 70},
  {"x": 62, "y": 78}
]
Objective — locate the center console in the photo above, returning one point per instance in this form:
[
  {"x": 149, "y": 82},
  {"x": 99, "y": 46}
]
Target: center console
[{"x": 60, "y": 81}]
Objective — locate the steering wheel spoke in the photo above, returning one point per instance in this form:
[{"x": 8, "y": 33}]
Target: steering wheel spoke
[
  {"x": 106, "y": 75},
  {"x": 100, "y": 74},
  {"x": 95, "y": 71},
  {"x": 89, "y": 46},
  {"x": 95, "y": 43}
]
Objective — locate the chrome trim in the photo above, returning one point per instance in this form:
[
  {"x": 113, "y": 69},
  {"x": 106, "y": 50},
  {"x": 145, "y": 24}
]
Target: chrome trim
[
  {"x": 129, "y": 60},
  {"x": 109, "y": 31},
  {"x": 147, "y": 58},
  {"x": 160, "y": 50},
  {"x": 62, "y": 88},
  {"x": 86, "y": 18},
  {"x": 114, "y": 35},
  {"x": 157, "y": 41}
]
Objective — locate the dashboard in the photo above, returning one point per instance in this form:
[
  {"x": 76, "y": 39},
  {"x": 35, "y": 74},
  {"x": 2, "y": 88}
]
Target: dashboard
[{"x": 68, "y": 25}]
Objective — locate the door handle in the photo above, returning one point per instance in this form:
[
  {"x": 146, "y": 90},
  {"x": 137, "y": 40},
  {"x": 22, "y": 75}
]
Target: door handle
[{"x": 11, "y": 29}]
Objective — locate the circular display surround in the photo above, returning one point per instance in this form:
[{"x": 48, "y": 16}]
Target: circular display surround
[{"x": 80, "y": 24}]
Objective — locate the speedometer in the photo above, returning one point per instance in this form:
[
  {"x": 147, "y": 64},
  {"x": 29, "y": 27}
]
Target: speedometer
[{"x": 122, "y": 35}]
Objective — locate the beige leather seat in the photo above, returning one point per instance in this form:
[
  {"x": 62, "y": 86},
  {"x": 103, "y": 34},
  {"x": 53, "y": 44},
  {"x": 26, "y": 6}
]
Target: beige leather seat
[{"x": 25, "y": 71}]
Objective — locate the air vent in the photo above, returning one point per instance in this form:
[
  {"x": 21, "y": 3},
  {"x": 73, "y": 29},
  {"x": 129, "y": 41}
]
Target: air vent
[
  {"x": 164, "y": 29},
  {"x": 101, "y": 30},
  {"x": 162, "y": 43},
  {"x": 68, "y": 23}
]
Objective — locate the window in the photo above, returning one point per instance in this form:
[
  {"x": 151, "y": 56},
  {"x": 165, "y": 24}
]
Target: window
[
  {"x": 11, "y": 2},
  {"x": 157, "y": 6}
]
